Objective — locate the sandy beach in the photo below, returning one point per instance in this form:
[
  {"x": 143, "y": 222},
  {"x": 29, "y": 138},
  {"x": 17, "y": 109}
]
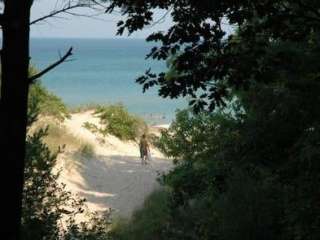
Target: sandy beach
[{"x": 114, "y": 177}]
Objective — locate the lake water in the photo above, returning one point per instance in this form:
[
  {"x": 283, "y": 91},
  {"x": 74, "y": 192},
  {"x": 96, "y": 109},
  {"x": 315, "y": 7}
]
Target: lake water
[{"x": 104, "y": 71}]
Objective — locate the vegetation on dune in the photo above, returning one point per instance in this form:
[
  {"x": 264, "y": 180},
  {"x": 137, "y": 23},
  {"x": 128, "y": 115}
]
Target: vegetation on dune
[
  {"x": 58, "y": 136},
  {"x": 92, "y": 127},
  {"x": 84, "y": 107},
  {"x": 47, "y": 103},
  {"x": 53, "y": 111},
  {"x": 49, "y": 210},
  {"x": 117, "y": 121}
]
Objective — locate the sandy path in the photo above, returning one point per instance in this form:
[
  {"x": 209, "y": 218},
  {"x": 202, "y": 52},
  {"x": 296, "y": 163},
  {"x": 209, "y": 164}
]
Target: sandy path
[{"x": 114, "y": 178}]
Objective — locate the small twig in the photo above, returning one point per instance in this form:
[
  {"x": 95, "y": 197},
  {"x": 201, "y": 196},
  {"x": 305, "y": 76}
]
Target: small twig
[
  {"x": 57, "y": 12},
  {"x": 72, "y": 5},
  {"x": 161, "y": 19},
  {"x": 52, "y": 66}
]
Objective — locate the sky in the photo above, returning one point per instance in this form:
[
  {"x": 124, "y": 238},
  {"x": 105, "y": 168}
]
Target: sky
[
  {"x": 67, "y": 26},
  {"x": 100, "y": 26}
]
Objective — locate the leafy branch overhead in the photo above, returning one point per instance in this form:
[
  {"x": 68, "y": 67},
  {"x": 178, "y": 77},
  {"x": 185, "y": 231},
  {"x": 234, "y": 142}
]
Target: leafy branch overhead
[{"x": 210, "y": 62}]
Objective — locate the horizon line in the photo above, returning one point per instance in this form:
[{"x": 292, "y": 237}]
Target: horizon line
[{"x": 93, "y": 38}]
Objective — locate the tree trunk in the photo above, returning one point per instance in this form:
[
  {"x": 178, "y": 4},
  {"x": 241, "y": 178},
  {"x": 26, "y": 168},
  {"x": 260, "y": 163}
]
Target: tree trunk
[{"x": 14, "y": 97}]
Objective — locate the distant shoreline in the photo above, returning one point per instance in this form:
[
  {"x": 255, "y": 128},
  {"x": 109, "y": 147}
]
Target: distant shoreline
[
  {"x": 85, "y": 38},
  {"x": 160, "y": 119}
]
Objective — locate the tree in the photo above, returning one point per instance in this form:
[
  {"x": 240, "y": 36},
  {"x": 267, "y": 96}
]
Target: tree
[
  {"x": 206, "y": 60},
  {"x": 251, "y": 173},
  {"x": 15, "y": 82},
  {"x": 209, "y": 61},
  {"x": 267, "y": 157},
  {"x": 14, "y": 95}
]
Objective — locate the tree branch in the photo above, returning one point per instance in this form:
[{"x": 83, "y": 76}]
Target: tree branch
[
  {"x": 57, "y": 12},
  {"x": 52, "y": 66},
  {"x": 72, "y": 5},
  {"x": 161, "y": 18}
]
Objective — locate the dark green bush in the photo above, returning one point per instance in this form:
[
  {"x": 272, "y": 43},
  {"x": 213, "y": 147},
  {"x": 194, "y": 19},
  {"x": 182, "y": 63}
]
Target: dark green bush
[
  {"x": 250, "y": 177},
  {"x": 147, "y": 222},
  {"x": 45, "y": 201}
]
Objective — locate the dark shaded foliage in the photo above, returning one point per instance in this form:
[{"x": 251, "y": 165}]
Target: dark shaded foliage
[
  {"x": 251, "y": 171},
  {"x": 208, "y": 59}
]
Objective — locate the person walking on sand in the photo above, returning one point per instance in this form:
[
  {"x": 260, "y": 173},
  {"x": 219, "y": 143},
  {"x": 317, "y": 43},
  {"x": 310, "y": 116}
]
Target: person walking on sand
[{"x": 144, "y": 149}]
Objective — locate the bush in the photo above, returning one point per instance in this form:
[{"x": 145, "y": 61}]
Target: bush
[
  {"x": 46, "y": 102},
  {"x": 147, "y": 222},
  {"x": 118, "y": 122},
  {"x": 251, "y": 175},
  {"x": 250, "y": 209},
  {"x": 48, "y": 209},
  {"x": 96, "y": 228},
  {"x": 45, "y": 200},
  {"x": 91, "y": 127}
]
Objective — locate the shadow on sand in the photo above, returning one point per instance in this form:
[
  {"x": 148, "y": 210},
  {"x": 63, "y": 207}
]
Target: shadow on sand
[{"x": 119, "y": 182}]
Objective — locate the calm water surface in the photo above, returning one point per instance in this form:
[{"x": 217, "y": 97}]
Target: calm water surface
[{"x": 103, "y": 71}]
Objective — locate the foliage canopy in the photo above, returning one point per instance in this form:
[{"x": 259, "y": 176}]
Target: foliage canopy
[{"x": 208, "y": 59}]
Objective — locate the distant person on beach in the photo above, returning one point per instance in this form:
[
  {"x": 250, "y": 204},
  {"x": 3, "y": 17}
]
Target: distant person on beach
[{"x": 144, "y": 149}]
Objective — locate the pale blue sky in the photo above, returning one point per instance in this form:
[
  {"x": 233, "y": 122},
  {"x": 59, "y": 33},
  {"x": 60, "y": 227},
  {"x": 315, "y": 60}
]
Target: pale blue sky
[{"x": 103, "y": 26}]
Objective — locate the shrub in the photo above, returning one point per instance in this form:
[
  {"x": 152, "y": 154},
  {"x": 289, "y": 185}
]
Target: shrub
[
  {"x": 147, "y": 222},
  {"x": 83, "y": 107},
  {"x": 46, "y": 202},
  {"x": 96, "y": 228},
  {"x": 118, "y": 122},
  {"x": 46, "y": 102},
  {"x": 48, "y": 209},
  {"x": 251, "y": 175},
  {"x": 44, "y": 198},
  {"x": 91, "y": 127}
]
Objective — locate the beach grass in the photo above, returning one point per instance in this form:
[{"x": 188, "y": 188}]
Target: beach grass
[{"x": 117, "y": 121}]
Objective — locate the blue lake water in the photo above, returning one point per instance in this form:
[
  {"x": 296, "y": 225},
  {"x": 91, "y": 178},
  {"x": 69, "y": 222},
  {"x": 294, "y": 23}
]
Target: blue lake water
[{"x": 103, "y": 71}]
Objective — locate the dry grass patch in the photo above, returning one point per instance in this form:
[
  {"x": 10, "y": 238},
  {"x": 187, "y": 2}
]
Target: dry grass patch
[{"x": 57, "y": 136}]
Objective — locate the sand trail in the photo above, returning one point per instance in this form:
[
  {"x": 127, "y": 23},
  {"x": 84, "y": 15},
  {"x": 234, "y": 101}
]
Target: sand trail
[{"x": 114, "y": 178}]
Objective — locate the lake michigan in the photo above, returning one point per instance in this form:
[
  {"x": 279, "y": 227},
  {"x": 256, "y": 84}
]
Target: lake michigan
[{"x": 103, "y": 71}]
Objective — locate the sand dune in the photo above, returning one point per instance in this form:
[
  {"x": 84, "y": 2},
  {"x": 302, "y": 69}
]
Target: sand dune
[{"x": 114, "y": 178}]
